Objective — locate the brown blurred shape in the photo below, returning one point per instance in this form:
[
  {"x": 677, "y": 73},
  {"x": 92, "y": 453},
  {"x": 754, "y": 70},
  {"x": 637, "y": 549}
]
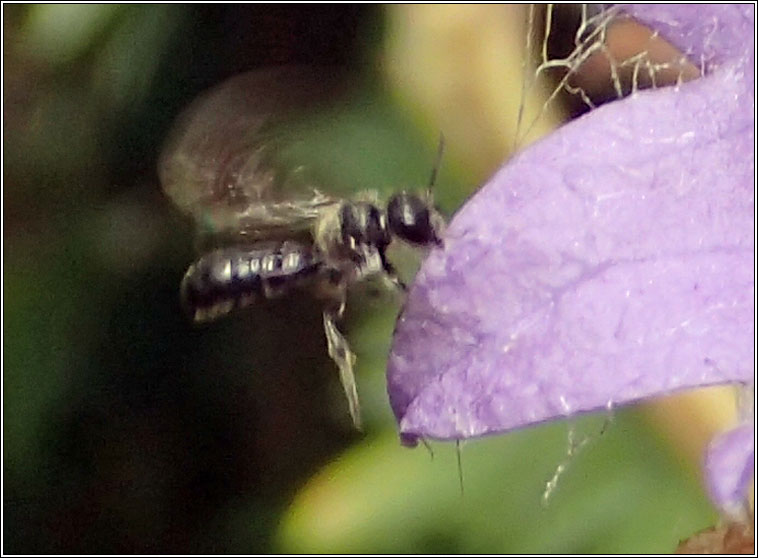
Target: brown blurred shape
[
  {"x": 732, "y": 538},
  {"x": 633, "y": 48}
]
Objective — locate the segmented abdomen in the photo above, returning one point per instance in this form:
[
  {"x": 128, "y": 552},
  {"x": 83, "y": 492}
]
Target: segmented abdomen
[{"x": 234, "y": 277}]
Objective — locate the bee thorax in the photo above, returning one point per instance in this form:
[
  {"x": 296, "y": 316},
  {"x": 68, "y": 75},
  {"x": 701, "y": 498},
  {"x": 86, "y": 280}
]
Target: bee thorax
[{"x": 362, "y": 223}]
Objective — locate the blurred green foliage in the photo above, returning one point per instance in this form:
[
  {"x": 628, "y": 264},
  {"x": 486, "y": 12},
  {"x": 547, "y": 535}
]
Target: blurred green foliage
[
  {"x": 128, "y": 430},
  {"x": 621, "y": 494}
]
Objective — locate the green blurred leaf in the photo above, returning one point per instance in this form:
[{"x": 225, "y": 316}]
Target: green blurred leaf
[
  {"x": 125, "y": 68},
  {"x": 59, "y": 33},
  {"x": 624, "y": 493}
]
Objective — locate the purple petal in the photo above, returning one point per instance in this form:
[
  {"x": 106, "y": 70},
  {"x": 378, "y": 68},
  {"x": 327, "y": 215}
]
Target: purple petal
[
  {"x": 611, "y": 262},
  {"x": 708, "y": 34},
  {"x": 729, "y": 468}
]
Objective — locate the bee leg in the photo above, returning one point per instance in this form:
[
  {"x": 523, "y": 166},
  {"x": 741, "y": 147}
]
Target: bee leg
[
  {"x": 344, "y": 358},
  {"x": 390, "y": 274},
  {"x": 396, "y": 282}
]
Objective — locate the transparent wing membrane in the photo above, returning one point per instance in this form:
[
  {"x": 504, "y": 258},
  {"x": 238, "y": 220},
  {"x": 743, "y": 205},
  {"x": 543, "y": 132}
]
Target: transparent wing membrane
[{"x": 223, "y": 162}]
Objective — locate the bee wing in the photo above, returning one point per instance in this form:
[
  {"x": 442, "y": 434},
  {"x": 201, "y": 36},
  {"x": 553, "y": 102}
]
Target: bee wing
[
  {"x": 284, "y": 220},
  {"x": 222, "y": 162}
]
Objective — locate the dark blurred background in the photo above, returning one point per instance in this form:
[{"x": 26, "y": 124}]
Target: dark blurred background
[{"x": 128, "y": 430}]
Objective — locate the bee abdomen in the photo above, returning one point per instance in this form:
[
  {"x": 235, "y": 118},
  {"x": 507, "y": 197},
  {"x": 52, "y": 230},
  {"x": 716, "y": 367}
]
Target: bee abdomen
[{"x": 235, "y": 277}]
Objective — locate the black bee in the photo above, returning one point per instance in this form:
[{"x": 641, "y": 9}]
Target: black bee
[{"x": 223, "y": 166}]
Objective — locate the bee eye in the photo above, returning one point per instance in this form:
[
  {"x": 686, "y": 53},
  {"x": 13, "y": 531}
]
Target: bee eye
[{"x": 409, "y": 218}]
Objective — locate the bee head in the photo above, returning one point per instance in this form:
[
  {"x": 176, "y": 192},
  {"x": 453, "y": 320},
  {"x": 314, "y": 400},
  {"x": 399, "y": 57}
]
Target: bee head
[{"x": 414, "y": 219}]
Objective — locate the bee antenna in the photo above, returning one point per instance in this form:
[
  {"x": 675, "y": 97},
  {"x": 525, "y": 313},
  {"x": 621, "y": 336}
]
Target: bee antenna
[{"x": 436, "y": 167}]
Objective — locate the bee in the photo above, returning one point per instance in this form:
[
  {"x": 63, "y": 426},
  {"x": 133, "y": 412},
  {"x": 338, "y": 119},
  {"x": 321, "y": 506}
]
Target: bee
[{"x": 262, "y": 233}]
